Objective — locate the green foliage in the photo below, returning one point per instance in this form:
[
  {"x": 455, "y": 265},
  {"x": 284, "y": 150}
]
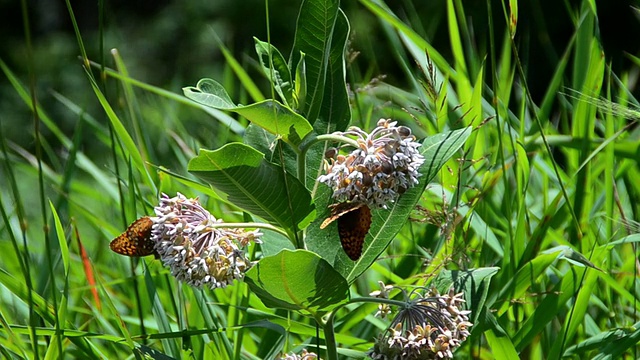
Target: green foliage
[
  {"x": 526, "y": 200},
  {"x": 275, "y": 68},
  {"x": 297, "y": 280},
  {"x": 255, "y": 185},
  {"x": 268, "y": 191},
  {"x": 386, "y": 223},
  {"x": 269, "y": 114},
  {"x": 473, "y": 283}
]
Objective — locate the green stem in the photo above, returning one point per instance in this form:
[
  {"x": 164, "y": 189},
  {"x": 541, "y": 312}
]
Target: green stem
[
  {"x": 330, "y": 339},
  {"x": 374, "y": 300},
  {"x": 329, "y": 335},
  {"x": 304, "y": 147},
  {"x": 249, "y": 225},
  {"x": 302, "y": 164}
]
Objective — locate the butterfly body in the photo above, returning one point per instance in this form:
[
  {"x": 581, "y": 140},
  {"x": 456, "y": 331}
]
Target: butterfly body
[
  {"x": 354, "y": 220},
  {"x": 136, "y": 240}
]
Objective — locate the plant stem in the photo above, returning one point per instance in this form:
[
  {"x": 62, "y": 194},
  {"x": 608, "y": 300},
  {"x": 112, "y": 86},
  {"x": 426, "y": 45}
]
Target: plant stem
[
  {"x": 304, "y": 147},
  {"x": 307, "y": 143},
  {"x": 327, "y": 326},
  {"x": 330, "y": 337},
  {"x": 330, "y": 342},
  {"x": 249, "y": 225},
  {"x": 302, "y": 164}
]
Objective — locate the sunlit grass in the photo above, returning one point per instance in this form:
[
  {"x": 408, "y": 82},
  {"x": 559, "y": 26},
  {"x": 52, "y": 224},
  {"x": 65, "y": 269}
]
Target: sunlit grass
[{"x": 543, "y": 191}]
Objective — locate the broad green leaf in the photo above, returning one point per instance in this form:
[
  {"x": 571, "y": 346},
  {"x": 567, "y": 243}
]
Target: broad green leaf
[
  {"x": 314, "y": 30},
  {"x": 271, "y": 115},
  {"x": 255, "y": 185},
  {"x": 267, "y": 143},
  {"x": 189, "y": 182},
  {"x": 211, "y": 93},
  {"x": 474, "y": 115},
  {"x": 260, "y": 139},
  {"x": 335, "y": 108},
  {"x": 385, "y": 222},
  {"x": 273, "y": 242},
  {"x": 275, "y": 68},
  {"x": 297, "y": 280},
  {"x": 589, "y": 72},
  {"x": 596, "y": 342},
  {"x": 301, "y": 84},
  {"x": 439, "y": 148},
  {"x": 335, "y": 113},
  {"x": 314, "y": 159}
]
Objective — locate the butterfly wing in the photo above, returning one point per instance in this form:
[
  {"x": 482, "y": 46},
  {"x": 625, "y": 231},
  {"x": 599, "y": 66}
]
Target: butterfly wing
[
  {"x": 337, "y": 210},
  {"x": 136, "y": 241},
  {"x": 354, "y": 220},
  {"x": 353, "y": 227}
]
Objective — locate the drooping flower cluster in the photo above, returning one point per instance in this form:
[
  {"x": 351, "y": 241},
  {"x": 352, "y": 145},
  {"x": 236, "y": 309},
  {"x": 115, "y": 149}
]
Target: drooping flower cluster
[
  {"x": 383, "y": 308},
  {"x": 304, "y": 355},
  {"x": 431, "y": 326},
  {"x": 190, "y": 241},
  {"x": 384, "y": 165}
]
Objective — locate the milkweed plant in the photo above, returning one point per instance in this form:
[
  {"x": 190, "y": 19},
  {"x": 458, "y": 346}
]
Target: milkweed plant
[{"x": 301, "y": 163}]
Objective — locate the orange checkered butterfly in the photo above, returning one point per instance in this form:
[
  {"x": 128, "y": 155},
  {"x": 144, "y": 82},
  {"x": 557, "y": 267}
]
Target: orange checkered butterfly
[
  {"x": 136, "y": 241},
  {"x": 354, "y": 220}
]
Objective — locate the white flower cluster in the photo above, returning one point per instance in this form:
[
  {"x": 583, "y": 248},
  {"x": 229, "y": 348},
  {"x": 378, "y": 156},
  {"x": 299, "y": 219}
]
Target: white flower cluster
[
  {"x": 304, "y": 355},
  {"x": 383, "y": 309},
  {"x": 195, "y": 251},
  {"x": 430, "y": 327},
  {"x": 384, "y": 165}
]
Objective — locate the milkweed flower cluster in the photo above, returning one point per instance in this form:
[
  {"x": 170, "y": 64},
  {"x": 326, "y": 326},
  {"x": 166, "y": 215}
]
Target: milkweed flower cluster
[
  {"x": 384, "y": 165},
  {"x": 430, "y": 326},
  {"x": 190, "y": 241},
  {"x": 383, "y": 309},
  {"x": 304, "y": 355}
]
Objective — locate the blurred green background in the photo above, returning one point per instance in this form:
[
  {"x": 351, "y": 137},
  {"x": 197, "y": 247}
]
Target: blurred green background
[{"x": 171, "y": 44}]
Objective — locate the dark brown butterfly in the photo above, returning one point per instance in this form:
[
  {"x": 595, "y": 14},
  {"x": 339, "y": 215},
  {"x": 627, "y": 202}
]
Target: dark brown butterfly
[
  {"x": 354, "y": 220},
  {"x": 136, "y": 241}
]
